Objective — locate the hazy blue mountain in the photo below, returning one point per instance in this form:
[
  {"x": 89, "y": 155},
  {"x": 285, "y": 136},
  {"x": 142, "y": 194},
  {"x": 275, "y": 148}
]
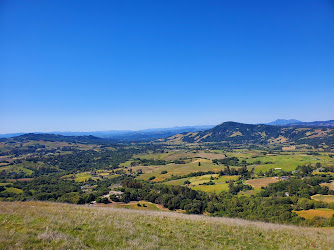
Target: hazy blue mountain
[
  {"x": 283, "y": 122},
  {"x": 127, "y": 135},
  {"x": 329, "y": 123}
]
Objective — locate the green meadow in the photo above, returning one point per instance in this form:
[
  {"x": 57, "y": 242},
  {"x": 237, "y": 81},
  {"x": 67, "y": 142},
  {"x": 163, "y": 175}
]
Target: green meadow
[{"x": 42, "y": 225}]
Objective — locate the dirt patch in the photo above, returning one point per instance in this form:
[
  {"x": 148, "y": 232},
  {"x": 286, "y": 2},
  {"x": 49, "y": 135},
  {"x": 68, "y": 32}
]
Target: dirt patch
[{"x": 261, "y": 182}]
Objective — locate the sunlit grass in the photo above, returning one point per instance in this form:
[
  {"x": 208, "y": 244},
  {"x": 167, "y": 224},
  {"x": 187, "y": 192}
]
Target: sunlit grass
[{"x": 38, "y": 225}]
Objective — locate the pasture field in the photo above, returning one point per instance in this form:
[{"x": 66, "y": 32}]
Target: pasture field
[
  {"x": 21, "y": 167},
  {"x": 6, "y": 183},
  {"x": 161, "y": 156},
  {"x": 320, "y": 212},
  {"x": 42, "y": 225},
  {"x": 199, "y": 154},
  {"x": 179, "y": 169},
  {"x": 329, "y": 185},
  {"x": 324, "y": 198},
  {"x": 13, "y": 190},
  {"x": 217, "y": 188},
  {"x": 144, "y": 205},
  {"x": 220, "y": 182},
  {"x": 202, "y": 179},
  {"x": 79, "y": 177},
  {"x": 290, "y": 162},
  {"x": 261, "y": 182}
]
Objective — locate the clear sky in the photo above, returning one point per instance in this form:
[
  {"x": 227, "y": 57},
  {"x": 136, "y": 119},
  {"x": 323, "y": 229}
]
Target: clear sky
[{"x": 102, "y": 65}]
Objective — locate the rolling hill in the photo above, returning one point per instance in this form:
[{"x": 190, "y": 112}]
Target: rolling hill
[
  {"x": 258, "y": 134},
  {"x": 45, "y": 225}
]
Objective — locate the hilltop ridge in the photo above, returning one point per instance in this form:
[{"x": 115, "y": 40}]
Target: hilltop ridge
[{"x": 235, "y": 132}]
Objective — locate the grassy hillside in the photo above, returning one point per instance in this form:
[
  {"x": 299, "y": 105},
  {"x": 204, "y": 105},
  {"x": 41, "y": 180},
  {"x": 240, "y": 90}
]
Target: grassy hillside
[
  {"x": 258, "y": 134},
  {"x": 53, "y": 225}
]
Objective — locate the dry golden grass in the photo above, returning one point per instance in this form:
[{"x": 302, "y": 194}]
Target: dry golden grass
[
  {"x": 261, "y": 182},
  {"x": 309, "y": 214},
  {"x": 329, "y": 185},
  {"x": 204, "y": 155},
  {"x": 41, "y": 225},
  {"x": 324, "y": 198}
]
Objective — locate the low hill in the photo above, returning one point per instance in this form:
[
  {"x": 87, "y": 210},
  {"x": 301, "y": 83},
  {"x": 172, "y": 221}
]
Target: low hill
[
  {"x": 258, "y": 134},
  {"x": 40, "y": 225},
  {"x": 60, "y": 138},
  {"x": 122, "y": 135}
]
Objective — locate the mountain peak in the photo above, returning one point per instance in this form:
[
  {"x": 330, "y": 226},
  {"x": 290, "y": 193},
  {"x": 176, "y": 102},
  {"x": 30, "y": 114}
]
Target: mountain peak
[{"x": 281, "y": 122}]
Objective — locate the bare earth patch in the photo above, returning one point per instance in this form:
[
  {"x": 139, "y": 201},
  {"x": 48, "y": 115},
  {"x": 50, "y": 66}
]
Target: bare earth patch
[{"x": 261, "y": 182}]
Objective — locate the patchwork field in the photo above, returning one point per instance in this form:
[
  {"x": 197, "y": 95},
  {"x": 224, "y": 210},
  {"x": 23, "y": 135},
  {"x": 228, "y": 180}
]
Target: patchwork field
[
  {"x": 261, "y": 182},
  {"x": 324, "y": 198},
  {"x": 220, "y": 182},
  {"x": 217, "y": 188},
  {"x": 290, "y": 162},
  {"x": 80, "y": 177},
  {"x": 179, "y": 169},
  {"x": 329, "y": 185},
  {"x": 320, "y": 212},
  {"x": 41, "y": 225},
  {"x": 13, "y": 190}
]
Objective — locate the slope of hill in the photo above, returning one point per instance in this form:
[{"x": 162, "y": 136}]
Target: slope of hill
[
  {"x": 258, "y": 134},
  {"x": 283, "y": 122},
  {"x": 40, "y": 225}
]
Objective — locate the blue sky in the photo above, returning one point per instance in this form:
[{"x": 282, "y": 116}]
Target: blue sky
[{"x": 102, "y": 65}]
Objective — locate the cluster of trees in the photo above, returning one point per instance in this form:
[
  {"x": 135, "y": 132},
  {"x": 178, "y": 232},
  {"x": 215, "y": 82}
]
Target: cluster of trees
[
  {"x": 53, "y": 188},
  {"x": 233, "y": 161},
  {"x": 147, "y": 162},
  {"x": 303, "y": 188},
  {"x": 270, "y": 209},
  {"x": 274, "y": 203}
]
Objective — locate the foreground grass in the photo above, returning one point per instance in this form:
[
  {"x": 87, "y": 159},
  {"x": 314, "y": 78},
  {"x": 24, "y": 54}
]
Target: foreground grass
[{"x": 53, "y": 225}]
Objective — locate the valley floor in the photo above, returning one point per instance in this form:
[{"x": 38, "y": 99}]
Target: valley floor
[{"x": 54, "y": 225}]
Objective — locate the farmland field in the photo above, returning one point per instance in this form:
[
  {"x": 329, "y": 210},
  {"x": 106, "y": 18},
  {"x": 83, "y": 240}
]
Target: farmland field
[
  {"x": 329, "y": 185},
  {"x": 320, "y": 212},
  {"x": 261, "y": 182},
  {"x": 217, "y": 188},
  {"x": 325, "y": 198},
  {"x": 179, "y": 169}
]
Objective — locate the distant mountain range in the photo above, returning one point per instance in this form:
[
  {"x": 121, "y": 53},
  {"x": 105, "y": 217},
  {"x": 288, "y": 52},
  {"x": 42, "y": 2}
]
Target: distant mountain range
[
  {"x": 126, "y": 135},
  {"x": 282, "y": 122},
  {"x": 228, "y": 131},
  {"x": 241, "y": 133},
  {"x": 293, "y": 122}
]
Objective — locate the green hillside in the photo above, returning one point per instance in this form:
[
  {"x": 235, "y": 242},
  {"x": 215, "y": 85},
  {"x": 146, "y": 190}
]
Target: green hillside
[
  {"x": 240, "y": 133},
  {"x": 37, "y": 225}
]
